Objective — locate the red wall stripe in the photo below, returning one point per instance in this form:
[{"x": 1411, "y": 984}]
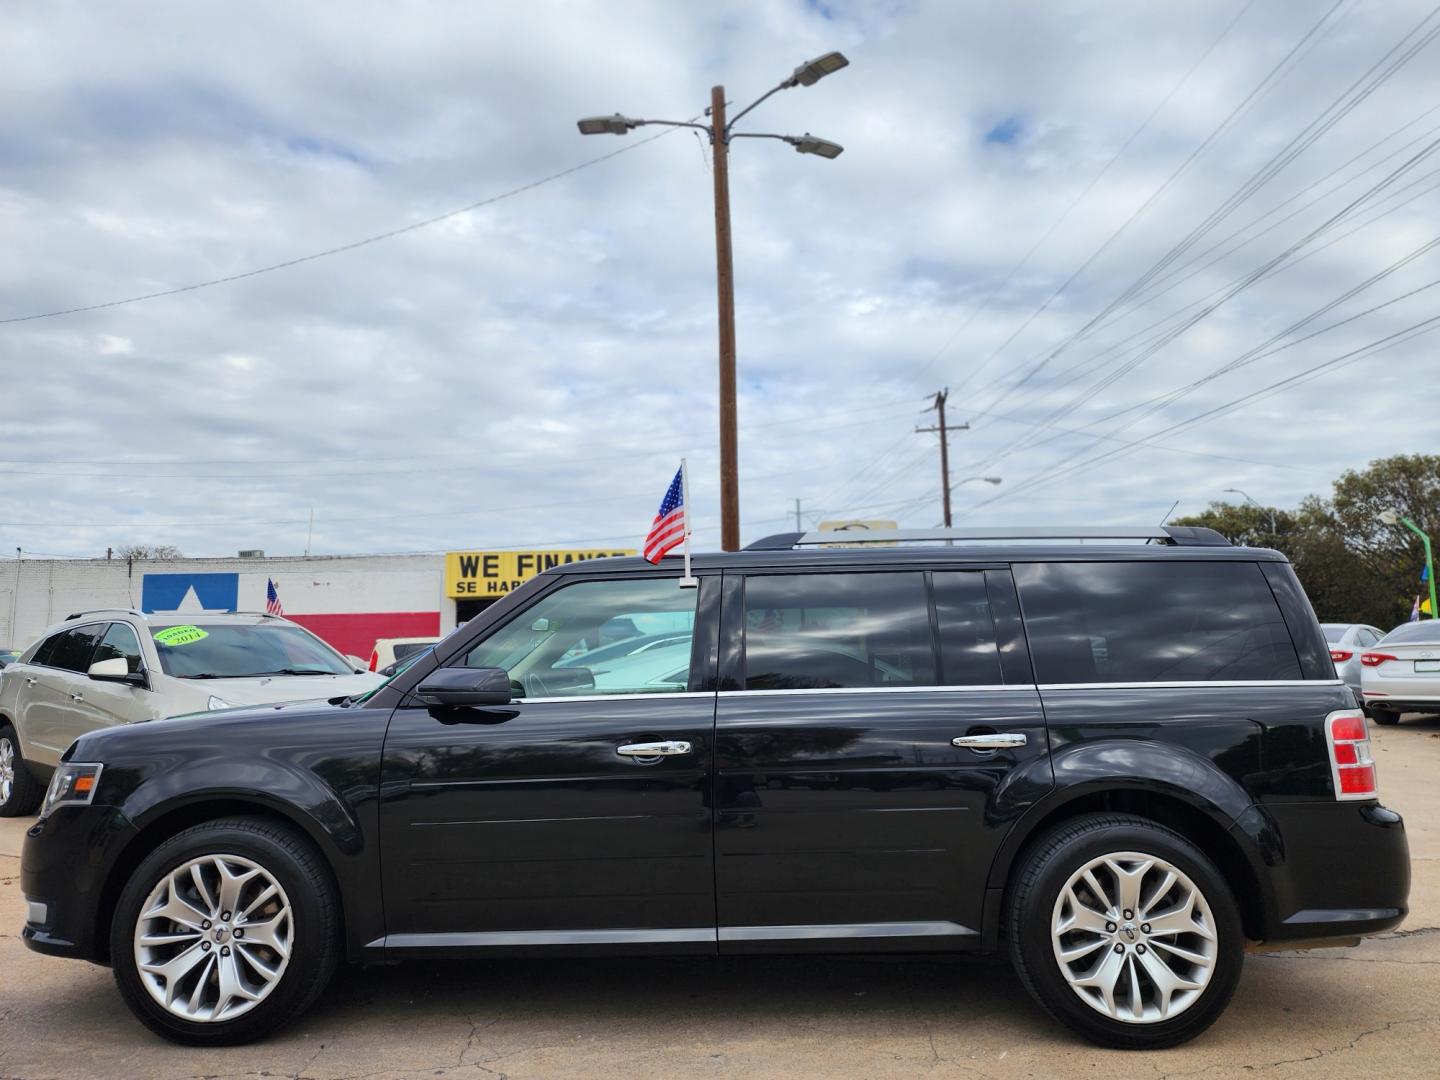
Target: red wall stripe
[{"x": 356, "y": 634}]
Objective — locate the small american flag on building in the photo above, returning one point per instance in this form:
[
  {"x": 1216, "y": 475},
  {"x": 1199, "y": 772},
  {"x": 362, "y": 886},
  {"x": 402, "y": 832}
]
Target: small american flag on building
[
  {"x": 272, "y": 599},
  {"x": 669, "y": 529}
]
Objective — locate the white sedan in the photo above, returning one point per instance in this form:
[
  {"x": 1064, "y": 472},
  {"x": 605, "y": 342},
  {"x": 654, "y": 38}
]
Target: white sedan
[{"x": 1401, "y": 673}]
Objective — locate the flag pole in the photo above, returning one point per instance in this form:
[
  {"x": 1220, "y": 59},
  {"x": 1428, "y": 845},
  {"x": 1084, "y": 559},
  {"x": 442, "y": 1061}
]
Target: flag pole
[{"x": 686, "y": 582}]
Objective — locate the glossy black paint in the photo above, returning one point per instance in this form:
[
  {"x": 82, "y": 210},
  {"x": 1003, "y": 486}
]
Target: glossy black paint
[{"x": 801, "y": 820}]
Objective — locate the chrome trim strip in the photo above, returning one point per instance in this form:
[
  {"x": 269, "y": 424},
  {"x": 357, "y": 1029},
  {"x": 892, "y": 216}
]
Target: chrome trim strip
[
  {"x": 527, "y": 938},
  {"x": 832, "y": 931},
  {"x": 666, "y": 696},
  {"x": 977, "y": 688},
  {"x": 993, "y": 741},
  {"x": 1198, "y": 683}
]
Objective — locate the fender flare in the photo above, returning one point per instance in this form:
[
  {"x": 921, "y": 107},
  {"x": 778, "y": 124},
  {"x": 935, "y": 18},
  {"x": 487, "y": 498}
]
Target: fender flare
[{"x": 1129, "y": 765}]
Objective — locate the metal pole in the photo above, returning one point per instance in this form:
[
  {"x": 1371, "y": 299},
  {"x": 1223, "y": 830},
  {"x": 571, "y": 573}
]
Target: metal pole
[
  {"x": 798, "y": 526},
  {"x": 944, "y": 453},
  {"x": 14, "y": 596},
  {"x": 725, "y": 286},
  {"x": 688, "y": 581},
  {"x": 1429, "y": 564}
]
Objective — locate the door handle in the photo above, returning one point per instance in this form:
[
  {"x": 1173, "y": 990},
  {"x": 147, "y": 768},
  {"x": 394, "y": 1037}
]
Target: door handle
[
  {"x": 77, "y": 697},
  {"x": 992, "y": 741},
  {"x": 653, "y": 749},
  {"x": 30, "y": 681}
]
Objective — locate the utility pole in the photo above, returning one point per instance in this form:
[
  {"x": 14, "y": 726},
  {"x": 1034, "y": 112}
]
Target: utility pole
[
  {"x": 725, "y": 286},
  {"x": 798, "y": 526},
  {"x": 941, "y": 396}
]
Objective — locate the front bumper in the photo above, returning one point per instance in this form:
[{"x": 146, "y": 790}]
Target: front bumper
[
  {"x": 1329, "y": 869},
  {"x": 64, "y": 866}
]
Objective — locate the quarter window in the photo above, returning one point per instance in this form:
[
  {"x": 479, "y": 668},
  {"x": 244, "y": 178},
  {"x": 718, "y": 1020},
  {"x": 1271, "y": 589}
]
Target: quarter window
[
  {"x": 820, "y": 631},
  {"x": 73, "y": 649},
  {"x": 1153, "y": 622},
  {"x": 597, "y": 637},
  {"x": 120, "y": 642},
  {"x": 968, "y": 653}
]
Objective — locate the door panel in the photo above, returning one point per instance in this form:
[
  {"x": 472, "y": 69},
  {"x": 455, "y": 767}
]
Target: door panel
[
  {"x": 848, "y": 816},
  {"x": 526, "y": 825},
  {"x": 842, "y": 812}
]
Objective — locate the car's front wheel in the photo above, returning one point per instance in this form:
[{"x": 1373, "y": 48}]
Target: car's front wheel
[
  {"x": 20, "y": 792},
  {"x": 225, "y": 932},
  {"x": 1125, "y": 932}
]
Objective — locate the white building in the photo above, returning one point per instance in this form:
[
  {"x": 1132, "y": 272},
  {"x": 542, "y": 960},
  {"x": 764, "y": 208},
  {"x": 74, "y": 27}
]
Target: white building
[{"x": 350, "y": 600}]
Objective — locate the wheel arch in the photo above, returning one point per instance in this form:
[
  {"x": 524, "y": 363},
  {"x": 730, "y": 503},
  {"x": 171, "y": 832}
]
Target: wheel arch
[
  {"x": 169, "y": 821},
  {"x": 1202, "y": 822}
]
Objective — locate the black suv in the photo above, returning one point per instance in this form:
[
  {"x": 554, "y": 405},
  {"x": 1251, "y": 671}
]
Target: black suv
[{"x": 1120, "y": 762}]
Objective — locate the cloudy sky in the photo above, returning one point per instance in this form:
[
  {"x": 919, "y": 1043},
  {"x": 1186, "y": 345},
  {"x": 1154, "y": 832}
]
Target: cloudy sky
[{"x": 1102, "y": 225}]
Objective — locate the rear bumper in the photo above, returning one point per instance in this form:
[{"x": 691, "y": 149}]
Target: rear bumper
[
  {"x": 1327, "y": 869},
  {"x": 64, "y": 864}
]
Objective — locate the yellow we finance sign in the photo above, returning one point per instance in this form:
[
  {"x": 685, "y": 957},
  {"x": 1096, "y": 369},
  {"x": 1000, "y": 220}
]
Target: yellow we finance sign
[{"x": 494, "y": 573}]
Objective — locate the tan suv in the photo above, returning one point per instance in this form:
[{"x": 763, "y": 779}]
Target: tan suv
[{"x": 118, "y": 666}]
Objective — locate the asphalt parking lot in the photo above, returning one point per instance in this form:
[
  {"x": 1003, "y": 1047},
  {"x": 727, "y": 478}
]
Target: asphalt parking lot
[{"x": 1368, "y": 1011}]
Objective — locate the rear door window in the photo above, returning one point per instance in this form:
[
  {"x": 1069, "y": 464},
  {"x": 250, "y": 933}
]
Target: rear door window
[
  {"x": 832, "y": 631},
  {"x": 73, "y": 650},
  {"x": 1167, "y": 621}
]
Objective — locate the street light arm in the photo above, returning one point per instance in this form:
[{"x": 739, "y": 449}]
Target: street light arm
[
  {"x": 675, "y": 123},
  {"x": 774, "y": 90}
]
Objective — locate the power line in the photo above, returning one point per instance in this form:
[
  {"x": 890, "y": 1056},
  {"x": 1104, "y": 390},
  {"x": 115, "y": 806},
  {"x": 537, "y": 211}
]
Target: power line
[{"x": 354, "y": 244}]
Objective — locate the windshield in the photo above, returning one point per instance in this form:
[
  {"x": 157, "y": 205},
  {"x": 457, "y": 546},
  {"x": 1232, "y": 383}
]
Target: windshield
[
  {"x": 1334, "y": 631},
  {"x": 237, "y": 651},
  {"x": 1418, "y": 632}
]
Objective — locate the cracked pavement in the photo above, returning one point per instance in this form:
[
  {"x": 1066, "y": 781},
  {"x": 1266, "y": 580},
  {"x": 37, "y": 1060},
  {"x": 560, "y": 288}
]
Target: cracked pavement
[{"x": 1368, "y": 1011}]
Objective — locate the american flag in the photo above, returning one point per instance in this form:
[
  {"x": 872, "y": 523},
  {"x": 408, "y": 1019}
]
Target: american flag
[
  {"x": 272, "y": 599},
  {"x": 668, "y": 531}
]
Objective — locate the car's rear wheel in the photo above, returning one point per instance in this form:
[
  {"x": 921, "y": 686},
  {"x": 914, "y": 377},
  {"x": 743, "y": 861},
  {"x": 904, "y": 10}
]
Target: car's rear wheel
[
  {"x": 1125, "y": 932},
  {"x": 20, "y": 792},
  {"x": 1384, "y": 716},
  {"x": 225, "y": 932}
]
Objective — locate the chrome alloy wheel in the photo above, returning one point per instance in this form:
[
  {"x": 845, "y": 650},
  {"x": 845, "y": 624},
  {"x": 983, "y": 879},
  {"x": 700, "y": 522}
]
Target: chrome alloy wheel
[
  {"x": 1134, "y": 937},
  {"x": 213, "y": 938},
  {"x": 7, "y": 768}
]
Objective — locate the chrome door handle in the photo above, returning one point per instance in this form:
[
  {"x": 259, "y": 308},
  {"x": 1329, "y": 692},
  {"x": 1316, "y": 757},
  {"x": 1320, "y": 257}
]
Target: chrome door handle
[
  {"x": 653, "y": 749},
  {"x": 30, "y": 681},
  {"x": 77, "y": 697},
  {"x": 994, "y": 741}
]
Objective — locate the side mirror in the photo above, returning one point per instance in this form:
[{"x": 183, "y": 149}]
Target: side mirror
[
  {"x": 116, "y": 669},
  {"x": 466, "y": 686},
  {"x": 356, "y": 663}
]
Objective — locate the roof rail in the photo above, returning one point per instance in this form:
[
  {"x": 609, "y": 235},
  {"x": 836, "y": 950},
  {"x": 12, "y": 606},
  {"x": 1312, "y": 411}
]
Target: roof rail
[
  {"x": 102, "y": 610},
  {"x": 1186, "y": 536}
]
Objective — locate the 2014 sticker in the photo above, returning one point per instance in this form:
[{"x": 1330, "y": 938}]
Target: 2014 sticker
[{"x": 172, "y": 636}]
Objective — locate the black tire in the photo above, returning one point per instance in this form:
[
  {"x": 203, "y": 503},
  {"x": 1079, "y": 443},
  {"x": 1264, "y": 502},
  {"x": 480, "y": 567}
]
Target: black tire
[
  {"x": 1384, "y": 716},
  {"x": 1041, "y": 875},
  {"x": 26, "y": 792},
  {"x": 291, "y": 861}
]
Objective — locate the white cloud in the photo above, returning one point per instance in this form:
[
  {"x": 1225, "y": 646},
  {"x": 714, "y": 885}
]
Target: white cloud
[{"x": 528, "y": 372}]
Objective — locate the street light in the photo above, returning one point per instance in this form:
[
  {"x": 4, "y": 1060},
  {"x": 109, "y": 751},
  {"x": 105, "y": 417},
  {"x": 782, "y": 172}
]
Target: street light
[
  {"x": 982, "y": 479},
  {"x": 1393, "y": 517},
  {"x": 720, "y": 134},
  {"x": 1252, "y": 502}
]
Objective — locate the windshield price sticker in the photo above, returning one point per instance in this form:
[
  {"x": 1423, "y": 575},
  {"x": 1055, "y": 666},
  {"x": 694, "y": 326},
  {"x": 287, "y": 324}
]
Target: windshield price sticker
[
  {"x": 495, "y": 573},
  {"x": 172, "y": 636}
]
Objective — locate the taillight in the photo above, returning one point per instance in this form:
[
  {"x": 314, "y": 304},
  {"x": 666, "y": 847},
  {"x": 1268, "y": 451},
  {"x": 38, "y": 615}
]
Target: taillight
[
  {"x": 1374, "y": 659},
  {"x": 1352, "y": 766},
  {"x": 1340, "y": 655},
  {"x": 374, "y": 659}
]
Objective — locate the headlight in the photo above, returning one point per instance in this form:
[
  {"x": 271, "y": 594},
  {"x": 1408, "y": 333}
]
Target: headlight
[
  {"x": 218, "y": 703},
  {"x": 74, "y": 783}
]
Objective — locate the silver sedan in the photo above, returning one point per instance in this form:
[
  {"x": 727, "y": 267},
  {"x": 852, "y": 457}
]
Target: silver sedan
[
  {"x": 1401, "y": 673},
  {"x": 1347, "y": 642}
]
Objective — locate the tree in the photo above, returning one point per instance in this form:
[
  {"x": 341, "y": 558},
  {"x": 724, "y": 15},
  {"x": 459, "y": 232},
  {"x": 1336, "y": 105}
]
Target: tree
[
  {"x": 1354, "y": 567},
  {"x": 148, "y": 551}
]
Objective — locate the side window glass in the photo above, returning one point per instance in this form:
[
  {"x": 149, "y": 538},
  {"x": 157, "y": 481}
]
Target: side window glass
[
  {"x": 1162, "y": 621},
  {"x": 119, "y": 642},
  {"x": 819, "y": 631},
  {"x": 597, "y": 637},
  {"x": 72, "y": 651},
  {"x": 45, "y": 655},
  {"x": 1366, "y": 638},
  {"x": 968, "y": 653}
]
